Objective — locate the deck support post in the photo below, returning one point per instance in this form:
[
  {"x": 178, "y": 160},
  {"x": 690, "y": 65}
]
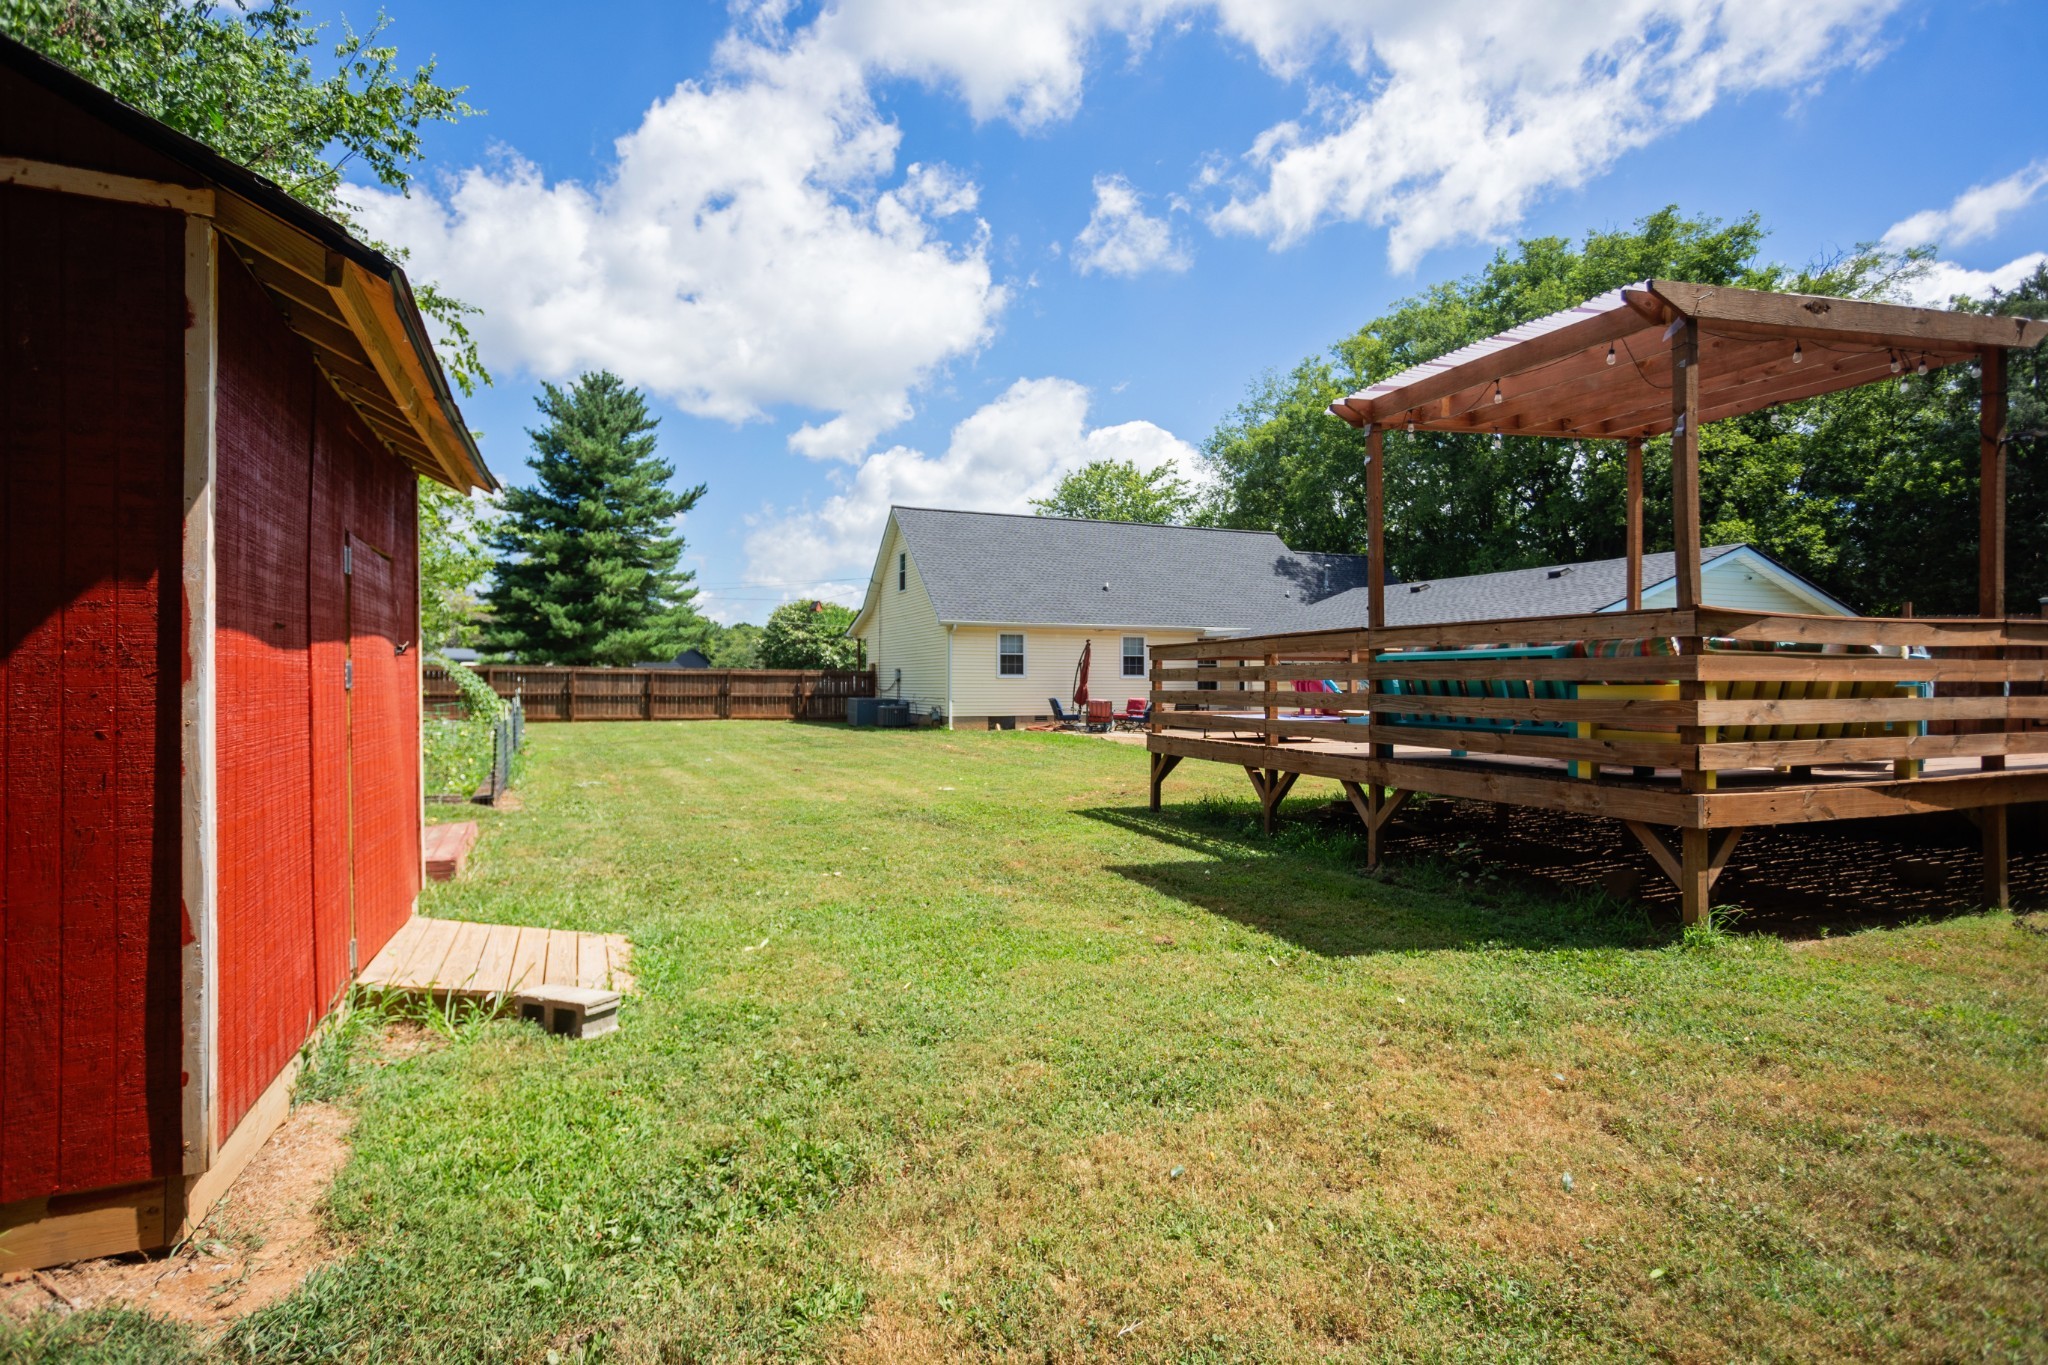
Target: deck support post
[
  {"x": 1635, "y": 523},
  {"x": 1696, "y": 866},
  {"x": 1162, "y": 764},
  {"x": 1695, "y": 879},
  {"x": 1375, "y": 806},
  {"x": 1997, "y": 884},
  {"x": 1272, "y": 785}
]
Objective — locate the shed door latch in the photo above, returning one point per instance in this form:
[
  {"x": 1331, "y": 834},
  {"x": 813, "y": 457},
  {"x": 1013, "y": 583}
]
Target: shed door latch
[
  {"x": 347, "y": 561},
  {"x": 348, "y": 675}
]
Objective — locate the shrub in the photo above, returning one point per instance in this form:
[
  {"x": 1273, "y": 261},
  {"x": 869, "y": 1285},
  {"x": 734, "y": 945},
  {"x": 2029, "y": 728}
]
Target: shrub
[{"x": 459, "y": 750}]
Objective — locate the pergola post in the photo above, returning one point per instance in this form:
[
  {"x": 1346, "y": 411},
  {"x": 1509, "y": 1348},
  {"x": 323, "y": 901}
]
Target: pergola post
[
  {"x": 1991, "y": 584},
  {"x": 1685, "y": 461},
  {"x": 1635, "y": 523},
  {"x": 1375, "y": 563},
  {"x": 1375, "y": 529},
  {"x": 1991, "y": 483},
  {"x": 1685, "y": 558}
]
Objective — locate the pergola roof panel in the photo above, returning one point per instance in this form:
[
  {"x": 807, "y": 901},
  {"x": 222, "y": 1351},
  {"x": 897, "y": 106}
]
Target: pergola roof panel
[{"x": 1603, "y": 369}]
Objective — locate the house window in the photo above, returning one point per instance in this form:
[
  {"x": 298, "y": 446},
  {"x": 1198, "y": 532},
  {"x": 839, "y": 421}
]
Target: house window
[
  {"x": 1010, "y": 656},
  {"x": 902, "y": 568},
  {"x": 1209, "y": 686},
  {"x": 1134, "y": 656}
]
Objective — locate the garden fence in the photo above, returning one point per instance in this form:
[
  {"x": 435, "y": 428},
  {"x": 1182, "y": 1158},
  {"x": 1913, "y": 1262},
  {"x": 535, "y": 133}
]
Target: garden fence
[{"x": 555, "y": 693}]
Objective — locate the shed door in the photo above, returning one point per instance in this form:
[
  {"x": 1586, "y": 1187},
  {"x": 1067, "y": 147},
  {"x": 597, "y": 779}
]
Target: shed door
[{"x": 383, "y": 748}]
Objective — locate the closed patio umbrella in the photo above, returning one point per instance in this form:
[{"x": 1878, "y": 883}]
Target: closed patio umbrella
[{"x": 1081, "y": 678}]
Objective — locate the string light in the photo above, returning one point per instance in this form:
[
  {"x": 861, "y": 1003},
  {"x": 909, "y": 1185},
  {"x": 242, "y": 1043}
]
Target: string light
[
  {"x": 1496, "y": 438},
  {"x": 1921, "y": 368},
  {"x": 1610, "y": 353},
  {"x": 1897, "y": 364},
  {"x": 1798, "y": 353},
  {"x": 1411, "y": 426},
  {"x": 1497, "y": 393}
]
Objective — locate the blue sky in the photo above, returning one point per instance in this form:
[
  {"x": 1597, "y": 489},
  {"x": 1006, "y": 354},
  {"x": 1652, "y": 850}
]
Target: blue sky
[{"x": 937, "y": 252}]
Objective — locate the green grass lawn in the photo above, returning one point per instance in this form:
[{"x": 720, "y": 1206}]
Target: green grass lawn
[{"x": 944, "y": 1046}]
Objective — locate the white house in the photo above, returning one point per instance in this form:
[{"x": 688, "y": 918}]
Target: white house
[{"x": 979, "y": 618}]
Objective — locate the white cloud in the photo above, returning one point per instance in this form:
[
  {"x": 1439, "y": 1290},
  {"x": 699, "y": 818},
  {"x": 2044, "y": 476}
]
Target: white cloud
[
  {"x": 1000, "y": 457},
  {"x": 1975, "y": 214},
  {"x": 746, "y": 250},
  {"x": 1122, "y": 239},
  {"x": 1441, "y": 122},
  {"x": 1464, "y": 113},
  {"x": 1941, "y": 281}
]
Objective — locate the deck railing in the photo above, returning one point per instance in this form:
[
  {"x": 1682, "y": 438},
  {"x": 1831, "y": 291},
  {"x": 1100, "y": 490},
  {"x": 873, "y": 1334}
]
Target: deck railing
[{"x": 1699, "y": 693}]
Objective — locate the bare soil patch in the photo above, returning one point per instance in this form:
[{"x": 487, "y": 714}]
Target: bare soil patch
[{"x": 259, "y": 1242}]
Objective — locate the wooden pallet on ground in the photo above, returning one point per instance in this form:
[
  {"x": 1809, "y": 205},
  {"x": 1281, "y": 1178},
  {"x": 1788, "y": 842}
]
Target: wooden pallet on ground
[{"x": 444, "y": 957}]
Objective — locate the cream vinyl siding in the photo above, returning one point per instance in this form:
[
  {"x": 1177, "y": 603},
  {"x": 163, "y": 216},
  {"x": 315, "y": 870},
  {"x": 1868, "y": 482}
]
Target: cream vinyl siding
[
  {"x": 1050, "y": 653},
  {"x": 1731, "y": 582},
  {"x": 903, "y": 632}
]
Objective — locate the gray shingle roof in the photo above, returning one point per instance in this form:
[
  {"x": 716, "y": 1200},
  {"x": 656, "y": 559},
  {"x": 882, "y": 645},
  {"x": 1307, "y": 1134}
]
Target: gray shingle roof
[
  {"x": 1542, "y": 591},
  {"x": 999, "y": 568}
]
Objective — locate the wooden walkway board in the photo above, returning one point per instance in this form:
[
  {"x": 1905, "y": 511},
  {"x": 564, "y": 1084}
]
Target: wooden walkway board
[{"x": 454, "y": 957}]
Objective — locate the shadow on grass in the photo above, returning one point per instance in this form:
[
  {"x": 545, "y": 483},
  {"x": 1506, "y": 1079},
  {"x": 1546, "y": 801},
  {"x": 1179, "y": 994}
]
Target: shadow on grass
[{"x": 1307, "y": 885}]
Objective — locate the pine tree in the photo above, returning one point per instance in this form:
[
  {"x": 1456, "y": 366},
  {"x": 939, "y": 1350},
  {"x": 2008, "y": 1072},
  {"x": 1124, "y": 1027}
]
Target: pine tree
[{"x": 587, "y": 557}]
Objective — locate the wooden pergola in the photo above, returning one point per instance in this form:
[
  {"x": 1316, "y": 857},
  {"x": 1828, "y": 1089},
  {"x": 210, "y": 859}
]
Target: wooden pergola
[
  {"x": 1664, "y": 357},
  {"x": 1841, "y": 727}
]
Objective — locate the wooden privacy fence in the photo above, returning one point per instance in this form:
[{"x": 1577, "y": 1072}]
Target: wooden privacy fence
[{"x": 550, "y": 693}]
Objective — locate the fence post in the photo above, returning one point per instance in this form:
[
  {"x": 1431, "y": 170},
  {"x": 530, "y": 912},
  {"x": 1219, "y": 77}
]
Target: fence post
[
  {"x": 647, "y": 695},
  {"x": 569, "y": 681}
]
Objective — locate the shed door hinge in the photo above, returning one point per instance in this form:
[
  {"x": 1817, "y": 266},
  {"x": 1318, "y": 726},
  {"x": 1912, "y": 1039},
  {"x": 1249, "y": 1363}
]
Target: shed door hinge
[
  {"x": 347, "y": 561},
  {"x": 348, "y": 675},
  {"x": 351, "y": 957}
]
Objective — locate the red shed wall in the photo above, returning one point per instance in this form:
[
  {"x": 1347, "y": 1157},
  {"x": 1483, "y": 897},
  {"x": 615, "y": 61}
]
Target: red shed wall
[
  {"x": 92, "y": 317},
  {"x": 300, "y": 477}
]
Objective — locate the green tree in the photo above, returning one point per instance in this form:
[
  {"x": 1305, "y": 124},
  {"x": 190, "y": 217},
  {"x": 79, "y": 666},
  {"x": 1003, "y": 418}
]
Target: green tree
[
  {"x": 1805, "y": 482},
  {"x": 587, "y": 557},
  {"x": 1116, "y": 490},
  {"x": 734, "y": 646},
  {"x": 453, "y": 561},
  {"x": 808, "y": 635}
]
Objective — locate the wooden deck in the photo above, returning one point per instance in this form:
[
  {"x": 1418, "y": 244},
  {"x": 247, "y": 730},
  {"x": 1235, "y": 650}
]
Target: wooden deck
[
  {"x": 1692, "y": 726},
  {"x": 446, "y": 957}
]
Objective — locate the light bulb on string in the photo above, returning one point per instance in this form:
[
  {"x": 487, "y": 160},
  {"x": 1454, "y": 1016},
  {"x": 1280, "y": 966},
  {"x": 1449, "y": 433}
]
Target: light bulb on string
[
  {"x": 1497, "y": 393},
  {"x": 1411, "y": 426},
  {"x": 1610, "y": 353},
  {"x": 1798, "y": 353},
  {"x": 1921, "y": 368},
  {"x": 1897, "y": 364},
  {"x": 1496, "y": 438}
]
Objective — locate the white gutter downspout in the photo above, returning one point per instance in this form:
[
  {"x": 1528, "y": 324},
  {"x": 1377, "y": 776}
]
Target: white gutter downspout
[{"x": 949, "y": 673}]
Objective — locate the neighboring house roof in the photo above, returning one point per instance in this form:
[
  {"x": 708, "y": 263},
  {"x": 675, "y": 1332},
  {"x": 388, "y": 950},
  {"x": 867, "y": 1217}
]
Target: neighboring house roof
[
  {"x": 1547, "y": 590},
  {"x": 987, "y": 568},
  {"x": 993, "y": 568},
  {"x": 689, "y": 658}
]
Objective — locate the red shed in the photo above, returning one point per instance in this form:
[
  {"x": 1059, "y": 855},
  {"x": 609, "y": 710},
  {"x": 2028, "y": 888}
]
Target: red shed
[{"x": 214, "y": 406}]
